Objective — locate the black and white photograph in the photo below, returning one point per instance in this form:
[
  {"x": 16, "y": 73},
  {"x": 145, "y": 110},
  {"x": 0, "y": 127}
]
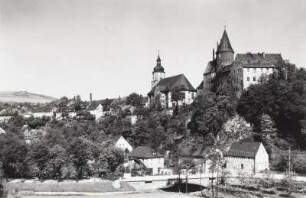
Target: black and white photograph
[{"x": 152, "y": 98}]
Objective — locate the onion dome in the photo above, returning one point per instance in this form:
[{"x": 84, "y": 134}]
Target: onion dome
[{"x": 158, "y": 67}]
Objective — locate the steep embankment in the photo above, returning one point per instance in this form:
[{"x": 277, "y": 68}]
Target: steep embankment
[{"x": 23, "y": 96}]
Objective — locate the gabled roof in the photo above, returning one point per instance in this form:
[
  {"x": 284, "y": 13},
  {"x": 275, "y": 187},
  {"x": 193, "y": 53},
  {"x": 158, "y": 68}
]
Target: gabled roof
[
  {"x": 173, "y": 83},
  {"x": 94, "y": 104},
  {"x": 115, "y": 139},
  {"x": 144, "y": 152},
  {"x": 225, "y": 44},
  {"x": 261, "y": 60},
  {"x": 199, "y": 151},
  {"x": 201, "y": 85},
  {"x": 2, "y": 131},
  {"x": 243, "y": 149}
]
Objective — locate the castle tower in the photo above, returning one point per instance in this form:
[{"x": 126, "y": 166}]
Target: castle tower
[
  {"x": 225, "y": 52},
  {"x": 158, "y": 72}
]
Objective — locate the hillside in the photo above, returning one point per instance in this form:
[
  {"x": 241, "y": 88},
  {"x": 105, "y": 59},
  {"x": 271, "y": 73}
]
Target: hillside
[{"x": 23, "y": 96}]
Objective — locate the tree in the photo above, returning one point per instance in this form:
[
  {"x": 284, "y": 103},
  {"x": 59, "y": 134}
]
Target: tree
[
  {"x": 134, "y": 99},
  {"x": 79, "y": 153},
  {"x": 13, "y": 152},
  {"x": 283, "y": 100},
  {"x": 211, "y": 111},
  {"x": 39, "y": 156},
  {"x": 57, "y": 159},
  {"x": 63, "y": 107},
  {"x": 268, "y": 132}
]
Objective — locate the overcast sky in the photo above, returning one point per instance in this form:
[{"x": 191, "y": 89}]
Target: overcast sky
[{"x": 109, "y": 47}]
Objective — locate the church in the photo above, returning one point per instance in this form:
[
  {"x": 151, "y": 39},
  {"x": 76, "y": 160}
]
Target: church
[
  {"x": 241, "y": 71},
  {"x": 172, "y": 91}
]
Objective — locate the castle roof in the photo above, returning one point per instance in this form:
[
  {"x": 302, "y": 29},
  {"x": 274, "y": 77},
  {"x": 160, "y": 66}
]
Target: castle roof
[
  {"x": 210, "y": 68},
  {"x": 243, "y": 149},
  {"x": 172, "y": 84},
  {"x": 225, "y": 44},
  {"x": 261, "y": 60}
]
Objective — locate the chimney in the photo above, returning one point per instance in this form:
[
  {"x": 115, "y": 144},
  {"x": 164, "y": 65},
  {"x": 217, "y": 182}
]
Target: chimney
[{"x": 90, "y": 97}]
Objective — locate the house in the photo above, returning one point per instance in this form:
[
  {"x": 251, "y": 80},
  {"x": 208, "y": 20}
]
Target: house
[
  {"x": 172, "y": 91},
  {"x": 199, "y": 156},
  {"x": 95, "y": 108},
  {"x": 145, "y": 160},
  {"x": 43, "y": 111},
  {"x": 240, "y": 71},
  {"x": 2, "y": 131},
  {"x": 246, "y": 157},
  {"x": 121, "y": 143}
]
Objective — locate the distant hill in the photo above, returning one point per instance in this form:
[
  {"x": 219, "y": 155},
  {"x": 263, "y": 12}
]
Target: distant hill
[{"x": 23, "y": 96}]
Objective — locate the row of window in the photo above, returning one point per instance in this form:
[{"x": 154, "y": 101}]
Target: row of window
[
  {"x": 238, "y": 71},
  {"x": 254, "y": 79},
  {"x": 261, "y": 69},
  {"x": 241, "y": 166}
]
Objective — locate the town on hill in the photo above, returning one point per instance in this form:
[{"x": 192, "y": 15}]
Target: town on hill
[{"x": 244, "y": 123}]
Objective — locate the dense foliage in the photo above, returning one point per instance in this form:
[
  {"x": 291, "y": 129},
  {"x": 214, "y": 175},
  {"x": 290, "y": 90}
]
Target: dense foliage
[
  {"x": 284, "y": 100},
  {"x": 82, "y": 147}
]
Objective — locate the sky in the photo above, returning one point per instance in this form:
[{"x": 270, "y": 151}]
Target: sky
[{"x": 109, "y": 47}]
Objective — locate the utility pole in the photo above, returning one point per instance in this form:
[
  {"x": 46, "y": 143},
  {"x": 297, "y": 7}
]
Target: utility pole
[
  {"x": 186, "y": 191},
  {"x": 212, "y": 186},
  {"x": 179, "y": 183},
  {"x": 289, "y": 166}
]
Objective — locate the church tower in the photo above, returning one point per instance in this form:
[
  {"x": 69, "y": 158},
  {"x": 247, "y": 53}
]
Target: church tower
[
  {"x": 158, "y": 72},
  {"x": 225, "y": 52}
]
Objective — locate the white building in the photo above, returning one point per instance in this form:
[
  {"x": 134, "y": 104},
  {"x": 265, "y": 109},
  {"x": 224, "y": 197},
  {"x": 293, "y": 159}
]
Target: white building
[
  {"x": 240, "y": 71},
  {"x": 246, "y": 158},
  {"x": 123, "y": 144},
  {"x": 2, "y": 131},
  {"x": 173, "y": 90},
  {"x": 147, "y": 158}
]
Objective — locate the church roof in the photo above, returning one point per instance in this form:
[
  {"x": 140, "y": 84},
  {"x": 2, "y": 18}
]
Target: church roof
[
  {"x": 225, "y": 44},
  {"x": 158, "y": 67},
  {"x": 243, "y": 149},
  {"x": 201, "y": 85},
  {"x": 173, "y": 83}
]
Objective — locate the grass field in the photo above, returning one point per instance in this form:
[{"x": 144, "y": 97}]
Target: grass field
[{"x": 67, "y": 186}]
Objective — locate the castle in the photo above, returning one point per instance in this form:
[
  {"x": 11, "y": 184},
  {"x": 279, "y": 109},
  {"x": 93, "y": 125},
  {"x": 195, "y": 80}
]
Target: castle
[
  {"x": 224, "y": 68},
  {"x": 172, "y": 91},
  {"x": 240, "y": 72}
]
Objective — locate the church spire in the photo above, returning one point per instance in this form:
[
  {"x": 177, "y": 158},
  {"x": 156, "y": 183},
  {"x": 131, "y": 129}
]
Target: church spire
[
  {"x": 225, "y": 44},
  {"x": 158, "y": 72},
  {"x": 158, "y": 67}
]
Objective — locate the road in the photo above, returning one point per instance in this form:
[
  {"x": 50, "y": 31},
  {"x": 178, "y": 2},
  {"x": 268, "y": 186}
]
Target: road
[{"x": 137, "y": 195}]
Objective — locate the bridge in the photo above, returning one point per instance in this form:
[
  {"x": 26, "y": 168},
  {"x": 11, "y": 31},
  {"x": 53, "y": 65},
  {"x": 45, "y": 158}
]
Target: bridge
[{"x": 151, "y": 183}]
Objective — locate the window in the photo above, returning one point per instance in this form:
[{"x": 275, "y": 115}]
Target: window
[
  {"x": 248, "y": 69},
  {"x": 254, "y": 70},
  {"x": 254, "y": 78},
  {"x": 241, "y": 166},
  {"x": 248, "y": 78}
]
